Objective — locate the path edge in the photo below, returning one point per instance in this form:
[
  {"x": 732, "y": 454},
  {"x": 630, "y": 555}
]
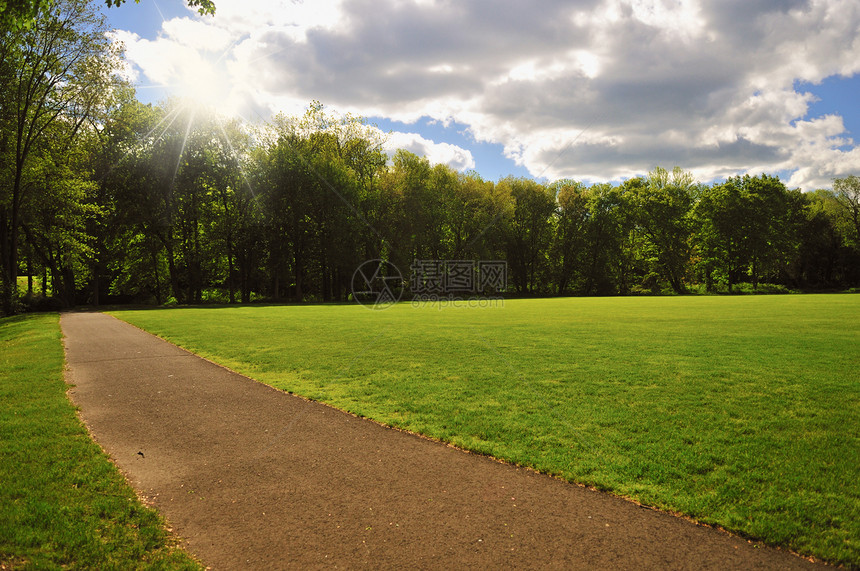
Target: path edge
[{"x": 174, "y": 540}]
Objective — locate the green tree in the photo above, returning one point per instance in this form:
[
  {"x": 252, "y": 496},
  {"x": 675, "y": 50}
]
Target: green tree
[
  {"x": 819, "y": 260},
  {"x": 773, "y": 222},
  {"x": 569, "y": 240},
  {"x": 749, "y": 226},
  {"x": 662, "y": 208},
  {"x": 608, "y": 263},
  {"x": 320, "y": 187},
  {"x": 57, "y": 73},
  {"x": 413, "y": 209},
  {"x": 529, "y": 230},
  {"x": 472, "y": 208},
  {"x": 17, "y": 15},
  {"x": 847, "y": 193},
  {"x": 162, "y": 196},
  {"x": 57, "y": 217},
  {"x": 361, "y": 151},
  {"x": 722, "y": 215},
  {"x": 110, "y": 135}
]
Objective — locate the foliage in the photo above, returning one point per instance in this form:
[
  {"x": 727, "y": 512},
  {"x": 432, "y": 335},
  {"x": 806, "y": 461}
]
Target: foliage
[
  {"x": 662, "y": 205},
  {"x": 17, "y": 15},
  {"x": 58, "y": 75},
  {"x": 847, "y": 194},
  {"x": 203, "y": 6},
  {"x": 748, "y": 226},
  {"x": 528, "y": 232}
]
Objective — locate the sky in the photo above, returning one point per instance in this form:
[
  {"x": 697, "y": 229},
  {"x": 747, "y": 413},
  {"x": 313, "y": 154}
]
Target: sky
[{"x": 592, "y": 90}]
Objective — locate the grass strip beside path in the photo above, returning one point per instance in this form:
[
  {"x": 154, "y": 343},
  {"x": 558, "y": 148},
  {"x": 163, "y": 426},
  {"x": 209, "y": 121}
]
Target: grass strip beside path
[
  {"x": 742, "y": 412},
  {"x": 63, "y": 504}
]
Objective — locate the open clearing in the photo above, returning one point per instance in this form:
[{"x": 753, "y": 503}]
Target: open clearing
[
  {"x": 251, "y": 477},
  {"x": 739, "y": 411}
]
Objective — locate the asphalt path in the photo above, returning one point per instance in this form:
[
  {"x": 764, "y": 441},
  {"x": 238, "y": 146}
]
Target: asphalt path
[{"x": 251, "y": 477}]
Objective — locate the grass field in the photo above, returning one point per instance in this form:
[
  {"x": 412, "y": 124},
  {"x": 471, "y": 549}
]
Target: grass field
[
  {"x": 739, "y": 411},
  {"x": 63, "y": 505},
  {"x": 22, "y": 285}
]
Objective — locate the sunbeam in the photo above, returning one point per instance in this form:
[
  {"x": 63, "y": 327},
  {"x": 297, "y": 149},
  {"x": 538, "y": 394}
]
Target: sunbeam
[
  {"x": 236, "y": 156},
  {"x": 184, "y": 143}
]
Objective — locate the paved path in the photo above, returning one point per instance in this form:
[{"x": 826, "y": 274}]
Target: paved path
[{"x": 253, "y": 478}]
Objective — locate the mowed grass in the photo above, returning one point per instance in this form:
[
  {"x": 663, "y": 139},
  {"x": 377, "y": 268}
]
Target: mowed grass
[
  {"x": 63, "y": 505},
  {"x": 742, "y": 412}
]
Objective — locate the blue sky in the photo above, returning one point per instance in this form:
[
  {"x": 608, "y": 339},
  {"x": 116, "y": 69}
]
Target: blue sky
[
  {"x": 595, "y": 90},
  {"x": 840, "y": 96},
  {"x": 490, "y": 160}
]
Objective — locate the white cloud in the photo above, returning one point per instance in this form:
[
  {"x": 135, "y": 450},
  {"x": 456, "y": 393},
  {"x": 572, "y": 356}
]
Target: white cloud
[
  {"x": 200, "y": 35},
  {"x": 597, "y": 89},
  {"x": 455, "y": 157}
]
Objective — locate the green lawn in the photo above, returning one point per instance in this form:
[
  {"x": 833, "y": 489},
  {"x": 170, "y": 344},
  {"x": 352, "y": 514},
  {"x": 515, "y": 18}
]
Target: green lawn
[
  {"x": 22, "y": 285},
  {"x": 740, "y": 411},
  {"x": 62, "y": 503}
]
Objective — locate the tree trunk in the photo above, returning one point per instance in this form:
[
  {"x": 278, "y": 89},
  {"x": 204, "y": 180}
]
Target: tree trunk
[
  {"x": 297, "y": 269},
  {"x": 5, "y": 289},
  {"x": 755, "y": 273},
  {"x": 155, "y": 275},
  {"x": 246, "y": 293},
  {"x": 69, "y": 283},
  {"x": 29, "y": 275},
  {"x": 230, "y": 276},
  {"x": 174, "y": 277},
  {"x": 326, "y": 279},
  {"x": 96, "y": 284}
]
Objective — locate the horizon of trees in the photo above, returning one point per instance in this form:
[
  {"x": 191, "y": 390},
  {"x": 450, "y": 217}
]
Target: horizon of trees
[{"x": 105, "y": 199}]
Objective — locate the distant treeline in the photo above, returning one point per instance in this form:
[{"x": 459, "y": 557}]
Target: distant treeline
[
  {"x": 104, "y": 199},
  {"x": 165, "y": 205}
]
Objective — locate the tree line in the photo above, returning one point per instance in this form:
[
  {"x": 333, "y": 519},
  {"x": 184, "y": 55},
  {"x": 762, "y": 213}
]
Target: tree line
[{"x": 104, "y": 199}]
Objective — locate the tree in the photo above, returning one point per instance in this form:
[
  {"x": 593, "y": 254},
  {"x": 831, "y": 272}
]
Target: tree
[
  {"x": 749, "y": 226},
  {"x": 56, "y": 221},
  {"x": 528, "y": 232},
  {"x": 662, "y": 207},
  {"x": 414, "y": 210},
  {"x": 847, "y": 194},
  {"x": 17, "y": 15},
  {"x": 57, "y": 73},
  {"x": 569, "y": 239},
  {"x": 818, "y": 263},
  {"x": 112, "y": 136},
  {"x": 722, "y": 216},
  {"x": 472, "y": 207},
  {"x": 607, "y": 263},
  {"x": 773, "y": 221},
  {"x": 319, "y": 183}
]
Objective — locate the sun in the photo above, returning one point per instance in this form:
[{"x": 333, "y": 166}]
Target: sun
[{"x": 207, "y": 82}]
